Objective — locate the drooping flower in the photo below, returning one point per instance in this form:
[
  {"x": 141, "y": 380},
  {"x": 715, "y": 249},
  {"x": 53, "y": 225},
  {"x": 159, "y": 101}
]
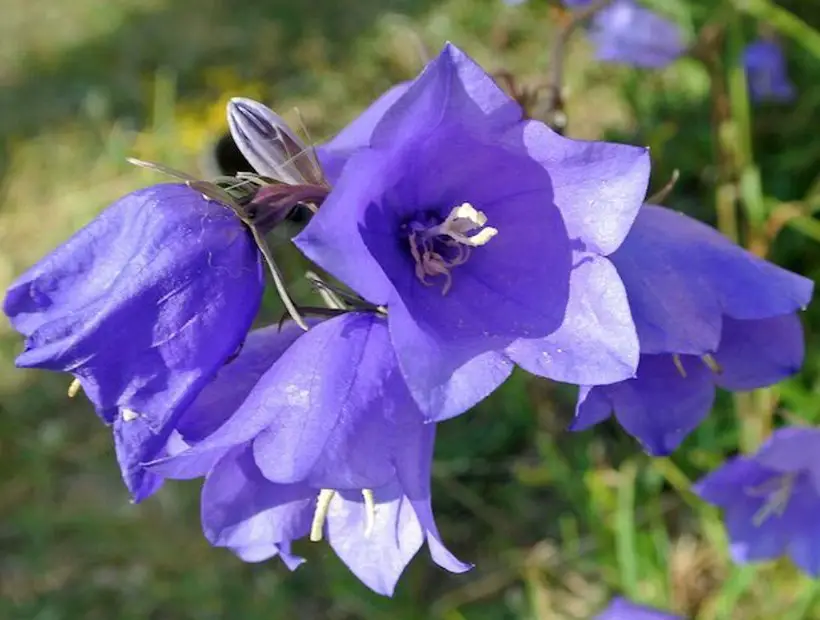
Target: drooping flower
[
  {"x": 771, "y": 499},
  {"x": 624, "y": 32},
  {"x": 766, "y": 72},
  {"x": 624, "y": 609},
  {"x": 143, "y": 305},
  {"x": 327, "y": 442},
  {"x": 708, "y": 313},
  {"x": 478, "y": 230}
]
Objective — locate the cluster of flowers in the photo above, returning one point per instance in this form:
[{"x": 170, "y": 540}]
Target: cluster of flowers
[
  {"x": 470, "y": 240},
  {"x": 624, "y": 32}
]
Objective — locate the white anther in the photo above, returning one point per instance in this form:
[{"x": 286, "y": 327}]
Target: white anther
[
  {"x": 320, "y": 515},
  {"x": 129, "y": 415},
  {"x": 369, "y": 512},
  {"x": 461, "y": 220},
  {"x": 778, "y": 492},
  {"x": 74, "y": 388}
]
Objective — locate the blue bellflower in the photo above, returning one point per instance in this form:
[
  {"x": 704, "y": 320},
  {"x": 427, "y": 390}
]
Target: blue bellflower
[
  {"x": 483, "y": 234},
  {"x": 323, "y": 441},
  {"x": 623, "y": 609},
  {"x": 624, "y": 32},
  {"x": 771, "y": 499},
  {"x": 766, "y": 72},
  {"x": 142, "y": 306},
  {"x": 708, "y": 313}
]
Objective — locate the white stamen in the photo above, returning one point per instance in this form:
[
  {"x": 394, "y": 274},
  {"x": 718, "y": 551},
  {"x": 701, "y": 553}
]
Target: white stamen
[
  {"x": 74, "y": 388},
  {"x": 679, "y": 365},
  {"x": 129, "y": 415},
  {"x": 369, "y": 512},
  {"x": 712, "y": 363},
  {"x": 463, "y": 219},
  {"x": 320, "y": 515},
  {"x": 778, "y": 492}
]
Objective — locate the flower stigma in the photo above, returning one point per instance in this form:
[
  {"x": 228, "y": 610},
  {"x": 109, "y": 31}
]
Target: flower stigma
[
  {"x": 679, "y": 365},
  {"x": 777, "y": 492},
  {"x": 369, "y": 512},
  {"x": 439, "y": 247},
  {"x": 320, "y": 515},
  {"x": 129, "y": 415},
  {"x": 74, "y": 388},
  {"x": 712, "y": 363}
]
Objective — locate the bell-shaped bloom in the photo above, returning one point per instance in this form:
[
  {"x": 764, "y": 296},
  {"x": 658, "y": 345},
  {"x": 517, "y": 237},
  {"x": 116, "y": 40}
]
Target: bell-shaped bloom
[
  {"x": 327, "y": 441},
  {"x": 624, "y": 32},
  {"x": 624, "y": 609},
  {"x": 771, "y": 499},
  {"x": 144, "y": 304},
  {"x": 477, "y": 230},
  {"x": 766, "y": 72},
  {"x": 708, "y": 313}
]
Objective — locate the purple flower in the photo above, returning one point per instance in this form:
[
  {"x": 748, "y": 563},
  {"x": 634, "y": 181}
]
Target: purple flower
[
  {"x": 771, "y": 500},
  {"x": 624, "y": 32},
  {"x": 142, "y": 306},
  {"x": 327, "y": 442},
  {"x": 708, "y": 314},
  {"x": 623, "y": 609},
  {"x": 479, "y": 230},
  {"x": 766, "y": 72}
]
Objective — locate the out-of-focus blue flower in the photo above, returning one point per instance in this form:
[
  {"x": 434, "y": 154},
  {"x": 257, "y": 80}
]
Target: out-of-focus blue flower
[
  {"x": 624, "y": 32},
  {"x": 462, "y": 219},
  {"x": 143, "y": 306},
  {"x": 771, "y": 499},
  {"x": 623, "y": 609},
  {"x": 766, "y": 72},
  {"x": 327, "y": 441},
  {"x": 707, "y": 313}
]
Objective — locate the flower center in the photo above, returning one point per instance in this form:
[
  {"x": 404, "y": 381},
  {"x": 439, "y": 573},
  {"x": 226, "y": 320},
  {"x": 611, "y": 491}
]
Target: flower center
[
  {"x": 439, "y": 247},
  {"x": 777, "y": 492},
  {"x": 323, "y": 507}
]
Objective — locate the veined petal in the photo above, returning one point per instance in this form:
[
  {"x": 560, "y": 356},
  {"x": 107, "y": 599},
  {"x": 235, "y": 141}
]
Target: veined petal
[
  {"x": 352, "y": 409},
  {"x": 377, "y": 557},
  {"x": 598, "y": 186},
  {"x": 597, "y": 343}
]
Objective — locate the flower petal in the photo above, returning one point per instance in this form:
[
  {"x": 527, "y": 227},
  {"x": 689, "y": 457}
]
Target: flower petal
[
  {"x": 351, "y": 407},
  {"x": 598, "y": 186},
  {"x": 759, "y": 353},
  {"x": 597, "y": 343},
  {"x": 729, "y": 483},
  {"x": 240, "y": 508},
  {"x": 379, "y": 558},
  {"x": 452, "y": 89},
  {"x": 660, "y": 407},
  {"x": 133, "y": 442},
  {"x": 592, "y": 407},
  {"x": 145, "y": 304}
]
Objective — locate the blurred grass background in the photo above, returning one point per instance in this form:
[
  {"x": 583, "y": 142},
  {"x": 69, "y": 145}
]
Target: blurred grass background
[{"x": 556, "y": 523}]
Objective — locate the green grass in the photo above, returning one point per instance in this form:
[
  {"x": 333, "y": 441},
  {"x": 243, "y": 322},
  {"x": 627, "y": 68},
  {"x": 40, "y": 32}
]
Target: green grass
[{"x": 556, "y": 523}]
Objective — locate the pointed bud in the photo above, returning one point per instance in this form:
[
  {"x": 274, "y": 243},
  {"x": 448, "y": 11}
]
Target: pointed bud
[{"x": 270, "y": 146}]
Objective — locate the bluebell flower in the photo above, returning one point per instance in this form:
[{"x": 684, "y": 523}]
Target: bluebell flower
[
  {"x": 142, "y": 306},
  {"x": 708, "y": 313},
  {"x": 766, "y": 72},
  {"x": 771, "y": 499},
  {"x": 623, "y": 609},
  {"x": 327, "y": 442},
  {"x": 624, "y": 32},
  {"x": 483, "y": 234}
]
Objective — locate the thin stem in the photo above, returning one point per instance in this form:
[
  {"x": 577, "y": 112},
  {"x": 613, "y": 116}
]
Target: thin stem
[
  {"x": 554, "y": 112},
  {"x": 278, "y": 280}
]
